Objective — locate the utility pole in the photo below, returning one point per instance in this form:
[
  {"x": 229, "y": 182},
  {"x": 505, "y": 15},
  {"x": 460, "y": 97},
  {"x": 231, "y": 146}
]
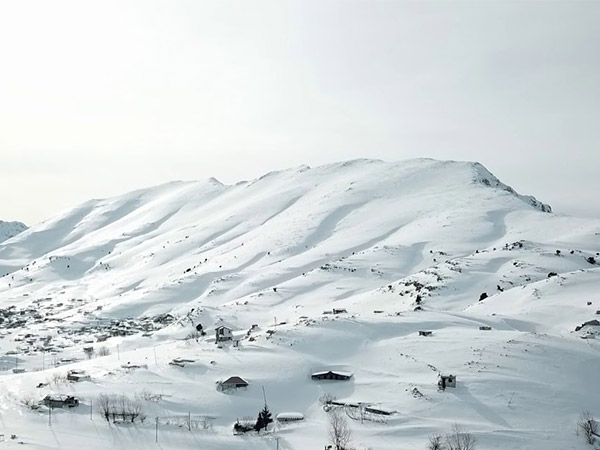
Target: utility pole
[
  {"x": 156, "y": 438},
  {"x": 91, "y": 402},
  {"x": 50, "y": 413},
  {"x": 277, "y": 440},
  {"x": 118, "y": 353},
  {"x": 189, "y": 421},
  {"x": 155, "y": 360},
  {"x": 264, "y": 395}
]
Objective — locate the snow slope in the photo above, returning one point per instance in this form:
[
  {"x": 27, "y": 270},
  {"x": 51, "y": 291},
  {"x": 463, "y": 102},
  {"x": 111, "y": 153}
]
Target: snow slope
[{"x": 402, "y": 247}]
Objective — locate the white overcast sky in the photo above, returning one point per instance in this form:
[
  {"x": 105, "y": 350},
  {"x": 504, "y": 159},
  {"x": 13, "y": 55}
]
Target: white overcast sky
[{"x": 101, "y": 97}]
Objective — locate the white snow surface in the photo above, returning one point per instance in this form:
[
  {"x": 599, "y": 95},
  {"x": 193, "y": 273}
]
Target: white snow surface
[{"x": 280, "y": 252}]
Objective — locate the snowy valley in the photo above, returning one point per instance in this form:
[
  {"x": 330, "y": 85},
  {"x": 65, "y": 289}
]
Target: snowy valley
[{"x": 385, "y": 274}]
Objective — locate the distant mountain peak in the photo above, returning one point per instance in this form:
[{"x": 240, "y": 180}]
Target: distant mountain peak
[{"x": 10, "y": 229}]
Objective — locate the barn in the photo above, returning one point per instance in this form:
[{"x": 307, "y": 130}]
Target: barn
[{"x": 331, "y": 375}]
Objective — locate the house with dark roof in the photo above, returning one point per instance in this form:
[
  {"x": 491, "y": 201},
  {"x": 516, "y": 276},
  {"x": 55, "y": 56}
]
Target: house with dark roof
[{"x": 232, "y": 383}]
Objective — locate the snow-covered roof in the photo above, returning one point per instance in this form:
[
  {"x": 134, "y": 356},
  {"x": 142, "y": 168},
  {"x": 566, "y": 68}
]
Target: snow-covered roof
[
  {"x": 337, "y": 372},
  {"x": 290, "y": 416},
  {"x": 235, "y": 380},
  {"x": 58, "y": 397}
]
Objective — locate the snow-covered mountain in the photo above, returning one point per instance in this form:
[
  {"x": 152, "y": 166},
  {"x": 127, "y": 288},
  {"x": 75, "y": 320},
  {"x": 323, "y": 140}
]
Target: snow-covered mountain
[
  {"x": 335, "y": 267},
  {"x": 10, "y": 229}
]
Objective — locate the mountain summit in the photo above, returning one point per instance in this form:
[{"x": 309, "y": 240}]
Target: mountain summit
[{"x": 137, "y": 248}]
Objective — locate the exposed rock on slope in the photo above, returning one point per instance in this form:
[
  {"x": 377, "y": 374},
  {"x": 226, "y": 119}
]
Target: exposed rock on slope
[{"x": 10, "y": 229}]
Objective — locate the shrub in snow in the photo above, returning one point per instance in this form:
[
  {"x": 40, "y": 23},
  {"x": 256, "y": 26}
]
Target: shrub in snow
[
  {"x": 244, "y": 425},
  {"x": 591, "y": 260},
  {"x": 30, "y": 403},
  {"x": 483, "y": 296},
  {"x": 552, "y": 274},
  {"x": 459, "y": 439},
  {"x": 587, "y": 427},
  {"x": 193, "y": 335}
]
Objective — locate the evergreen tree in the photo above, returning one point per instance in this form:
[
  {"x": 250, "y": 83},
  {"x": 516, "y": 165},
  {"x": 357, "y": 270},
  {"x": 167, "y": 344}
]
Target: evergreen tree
[{"x": 264, "y": 419}]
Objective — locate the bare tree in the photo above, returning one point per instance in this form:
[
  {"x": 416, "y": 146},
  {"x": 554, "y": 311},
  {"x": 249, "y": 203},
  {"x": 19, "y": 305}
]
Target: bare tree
[
  {"x": 459, "y": 439},
  {"x": 587, "y": 427},
  {"x": 58, "y": 378},
  {"x": 124, "y": 407},
  {"x": 105, "y": 402},
  {"x": 327, "y": 398},
  {"x": 89, "y": 352},
  {"x": 135, "y": 409},
  {"x": 340, "y": 434},
  {"x": 103, "y": 351},
  {"x": 435, "y": 442},
  {"x": 30, "y": 403}
]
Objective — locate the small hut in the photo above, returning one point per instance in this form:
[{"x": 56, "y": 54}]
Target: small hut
[
  {"x": 232, "y": 383},
  {"x": 446, "y": 381},
  {"x": 223, "y": 334},
  {"x": 60, "y": 401}
]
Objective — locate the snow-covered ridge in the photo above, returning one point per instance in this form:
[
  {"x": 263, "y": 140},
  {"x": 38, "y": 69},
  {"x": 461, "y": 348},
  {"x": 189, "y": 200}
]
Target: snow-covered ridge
[
  {"x": 383, "y": 275},
  {"x": 485, "y": 177}
]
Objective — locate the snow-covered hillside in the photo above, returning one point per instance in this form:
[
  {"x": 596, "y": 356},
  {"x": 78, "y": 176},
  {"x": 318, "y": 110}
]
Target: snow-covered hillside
[
  {"x": 10, "y": 229},
  {"x": 335, "y": 267}
]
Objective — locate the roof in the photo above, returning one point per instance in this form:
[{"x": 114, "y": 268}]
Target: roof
[
  {"x": 336, "y": 372},
  {"x": 58, "y": 397},
  {"x": 290, "y": 416},
  {"x": 235, "y": 380},
  {"x": 224, "y": 326}
]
